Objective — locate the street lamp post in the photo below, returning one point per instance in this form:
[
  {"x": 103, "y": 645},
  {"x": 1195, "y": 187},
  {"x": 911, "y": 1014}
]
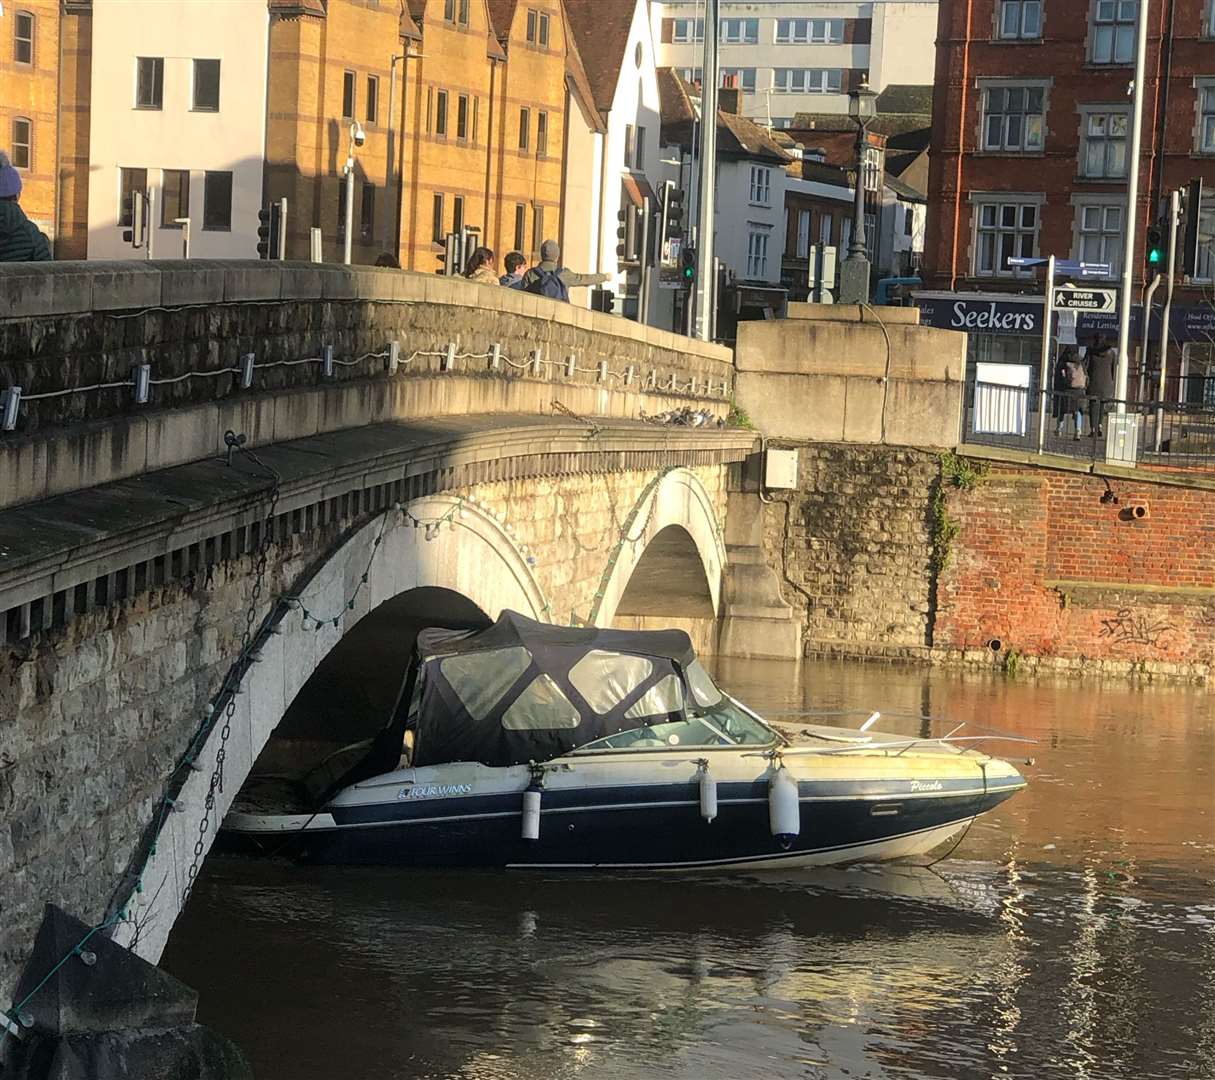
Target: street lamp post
[
  {"x": 854, "y": 273},
  {"x": 357, "y": 138}
]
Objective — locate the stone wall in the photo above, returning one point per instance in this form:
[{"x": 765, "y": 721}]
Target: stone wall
[
  {"x": 66, "y": 326},
  {"x": 854, "y": 549}
]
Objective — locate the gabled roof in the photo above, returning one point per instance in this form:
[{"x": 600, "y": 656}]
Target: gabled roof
[
  {"x": 601, "y": 29},
  {"x": 737, "y": 137},
  {"x": 578, "y": 81},
  {"x": 417, "y": 9},
  {"x": 502, "y": 14},
  {"x": 904, "y": 191},
  {"x": 906, "y": 98}
]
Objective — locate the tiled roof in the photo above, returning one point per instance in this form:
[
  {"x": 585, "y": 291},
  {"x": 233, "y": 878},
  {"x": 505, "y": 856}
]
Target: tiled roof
[
  {"x": 888, "y": 126},
  {"x": 293, "y": 9},
  {"x": 736, "y": 135},
  {"x": 905, "y": 98},
  {"x": 821, "y": 172},
  {"x": 601, "y": 30},
  {"x": 579, "y": 83},
  {"x": 502, "y": 14},
  {"x": 904, "y": 191}
]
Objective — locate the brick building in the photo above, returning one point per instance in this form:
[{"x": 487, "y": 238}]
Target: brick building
[{"x": 1029, "y": 157}]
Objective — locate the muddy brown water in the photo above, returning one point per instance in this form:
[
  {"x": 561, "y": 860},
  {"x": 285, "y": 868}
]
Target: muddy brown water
[{"x": 1071, "y": 935}]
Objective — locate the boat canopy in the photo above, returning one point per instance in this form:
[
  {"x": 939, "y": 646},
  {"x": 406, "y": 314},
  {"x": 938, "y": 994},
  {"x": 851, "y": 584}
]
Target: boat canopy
[{"x": 521, "y": 691}]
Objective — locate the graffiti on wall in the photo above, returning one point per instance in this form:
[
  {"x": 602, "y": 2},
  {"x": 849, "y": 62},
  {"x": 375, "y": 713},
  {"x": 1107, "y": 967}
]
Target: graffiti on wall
[{"x": 1128, "y": 627}]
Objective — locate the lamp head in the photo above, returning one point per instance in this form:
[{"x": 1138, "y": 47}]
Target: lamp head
[{"x": 862, "y": 104}]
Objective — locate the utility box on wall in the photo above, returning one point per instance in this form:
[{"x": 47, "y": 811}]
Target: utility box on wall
[
  {"x": 780, "y": 470},
  {"x": 1122, "y": 438}
]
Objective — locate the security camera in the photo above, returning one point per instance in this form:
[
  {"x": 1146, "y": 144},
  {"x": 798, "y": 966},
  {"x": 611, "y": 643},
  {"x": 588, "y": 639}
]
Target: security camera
[{"x": 357, "y": 135}]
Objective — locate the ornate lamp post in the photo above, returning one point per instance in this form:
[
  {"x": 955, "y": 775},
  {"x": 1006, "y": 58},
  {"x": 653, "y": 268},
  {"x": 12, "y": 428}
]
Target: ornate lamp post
[{"x": 854, "y": 273}]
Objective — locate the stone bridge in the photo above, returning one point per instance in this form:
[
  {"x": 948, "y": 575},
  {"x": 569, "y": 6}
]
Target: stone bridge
[{"x": 408, "y": 450}]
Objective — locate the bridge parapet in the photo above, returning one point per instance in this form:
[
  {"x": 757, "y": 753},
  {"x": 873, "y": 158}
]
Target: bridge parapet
[{"x": 125, "y": 368}]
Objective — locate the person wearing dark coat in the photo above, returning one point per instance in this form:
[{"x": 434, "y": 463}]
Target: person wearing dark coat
[
  {"x": 1102, "y": 381},
  {"x": 20, "y": 238}
]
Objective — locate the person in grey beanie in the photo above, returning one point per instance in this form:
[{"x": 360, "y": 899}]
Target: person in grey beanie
[{"x": 20, "y": 238}]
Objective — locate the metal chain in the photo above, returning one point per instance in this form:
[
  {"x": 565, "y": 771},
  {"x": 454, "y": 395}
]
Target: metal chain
[{"x": 232, "y": 678}]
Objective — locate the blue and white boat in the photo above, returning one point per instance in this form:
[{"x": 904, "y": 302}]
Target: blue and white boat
[{"x": 531, "y": 745}]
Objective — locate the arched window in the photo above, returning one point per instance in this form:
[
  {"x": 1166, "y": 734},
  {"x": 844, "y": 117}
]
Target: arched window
[
  {"x": 23, "y": 137},
  {"x": 23, "y": 37}
]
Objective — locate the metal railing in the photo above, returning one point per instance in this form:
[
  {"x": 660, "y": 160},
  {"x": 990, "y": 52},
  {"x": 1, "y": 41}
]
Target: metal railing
[{"x": 1166, "y": 435}]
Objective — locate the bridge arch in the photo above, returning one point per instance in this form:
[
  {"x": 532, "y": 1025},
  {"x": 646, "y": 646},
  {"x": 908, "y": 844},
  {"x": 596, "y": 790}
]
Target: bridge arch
[
  {"x": 443, "y": 545},
  {"x": 669, "y": 562}
]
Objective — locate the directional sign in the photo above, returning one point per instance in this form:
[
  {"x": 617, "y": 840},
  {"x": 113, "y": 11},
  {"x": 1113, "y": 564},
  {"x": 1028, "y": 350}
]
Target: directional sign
[{"x": 1100, "y": 300}]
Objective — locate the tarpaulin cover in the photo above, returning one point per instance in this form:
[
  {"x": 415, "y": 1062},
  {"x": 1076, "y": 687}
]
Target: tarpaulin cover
[{"x": 523, "y": 691}]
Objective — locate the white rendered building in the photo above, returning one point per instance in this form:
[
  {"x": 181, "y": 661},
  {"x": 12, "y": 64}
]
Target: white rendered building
[
  {"x": 791, "y": 56},
  {"x": 188, "y": 129}
]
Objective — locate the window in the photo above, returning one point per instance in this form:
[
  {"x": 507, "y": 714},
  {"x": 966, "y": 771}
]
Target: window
[
  {"x": 739, "y": 31},
  {"x": 537, "y": 226},
  {"x": 217, "y": 201},
  {"x": 537, "y": 27},
  {"x": 1113, "y": 33},
  {"x": 1206, "y": 119},
  {"x": 761, "y": 185},
  {"x": 541, "y": 134},
  {"x": 692, "y": 75},
  {"x": 1013, "y": 118},
  {"x": 743, "y": 78},
  {"x": 174, "y": 197},
  {"x": 688, "y": 30},
  {"x": 348, "y": 95},
  {"x": 23, "y": 129},
  {"x": 462, "y": 18},
  {"x": 130, "y": 181},
  {"x": 206, "y": 86},
  {"x": 824, "y": 229},
  {"x": 757, "y": 254},
  {"x": 1205, "y": 267},
  {"x": 606, "y": 679},
  {"x": 804, "y": 31},
  {"x": 436, "y": 231},
  {"x": 23, "y": 37},
  {"x": 803, "y": 234},
  {"x": 462, "y": 117},
  {"x": 1103, "y": 153},
  {"x": 1020, "y": 19},
  {"x": 630, "y": 144},
  {"x": 1099, "y": 239},
  {"x": 808, "y": 81},
  {"x": 149, "y": 82},
  {"x": 1004, "y": 230},
  {"x": 639, "y": 149},
  {"x": 520, "y": 226},
  {"x": 367, "y": 212},
  {"x": 449, "y": 10},
  {"x": 441, "y": 113},
  {"x": 908, "y": 221},
  {"x": 457, "y": 214},
  {"x": 373, "y": 99},
  {"x": 525, "y": 123}
]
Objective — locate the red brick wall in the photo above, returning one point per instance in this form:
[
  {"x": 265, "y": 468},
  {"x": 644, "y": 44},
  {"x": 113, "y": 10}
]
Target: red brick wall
[{"x": 1040, "y": 563}]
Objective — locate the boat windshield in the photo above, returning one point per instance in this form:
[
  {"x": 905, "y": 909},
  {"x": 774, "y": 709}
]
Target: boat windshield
[{"x": 711, "y": 720}]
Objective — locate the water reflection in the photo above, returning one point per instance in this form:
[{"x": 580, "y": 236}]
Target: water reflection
[{"x": 1073, "y": 936}]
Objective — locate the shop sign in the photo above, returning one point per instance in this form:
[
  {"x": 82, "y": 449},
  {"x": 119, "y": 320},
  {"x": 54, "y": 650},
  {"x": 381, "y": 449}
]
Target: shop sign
[{"x": 982, "y": 315}]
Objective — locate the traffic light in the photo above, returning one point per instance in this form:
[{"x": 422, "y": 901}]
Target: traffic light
[
  {"x": 689, "y": 266},
  {"x": 626, "y": 234},
  {"x": 672, "y": 213},
  {"x": 270, "y": 231},
  {"x": 1153, "y": 252},
  {"x": 1191, "y": 216}
]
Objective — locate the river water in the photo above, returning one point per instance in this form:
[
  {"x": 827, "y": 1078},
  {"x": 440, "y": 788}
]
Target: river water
[{"x": 1072, "y": 934}]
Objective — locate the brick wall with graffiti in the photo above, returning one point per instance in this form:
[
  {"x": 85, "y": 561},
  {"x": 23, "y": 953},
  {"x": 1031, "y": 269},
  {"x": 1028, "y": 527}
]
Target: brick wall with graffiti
[{"x": 1076, "y": 570}]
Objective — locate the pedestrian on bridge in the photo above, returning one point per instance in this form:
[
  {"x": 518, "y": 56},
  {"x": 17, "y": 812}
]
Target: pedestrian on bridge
[
  {"x": 20, "y": 238},
  {"x": 553, "y": 280},
  {"x": 1102, "y": 381},
  {"x": 513, "y": 278},
  {"x": 482, "y": 267}
]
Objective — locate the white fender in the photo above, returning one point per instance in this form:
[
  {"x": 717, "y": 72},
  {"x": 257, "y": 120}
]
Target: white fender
[
  {"x": 784, "y": 807},
  {"x": 708, "y": 793},
  {"x": 531, "y": 813}
]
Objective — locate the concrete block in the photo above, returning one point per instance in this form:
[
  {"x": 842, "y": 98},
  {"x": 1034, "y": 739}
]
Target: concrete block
[
  {"x": 121, "y": 286},
  {"x": 92, "y": 455},
  {"x": 864, "y": 400},
  {"x": 440, "y": 290},
  {"x": 251, "y": 281},
  {"x": 924, "y": 413},
  {"x": 251, "y": 416},
  {"x": 31, "y": 289},
  {"x": 182, "y": 435},
  {"x": 301, "y": 281},
  {"x": 22, "y": 471},
  {"x": 792, "y": 407},
  {"x": 199, "y": 281},
  {"x": 296, "y": 416},
  {"x": 374, "y": 283},
  {"x": 855, "y": 313},
  {"x": 408, "y": 285}
]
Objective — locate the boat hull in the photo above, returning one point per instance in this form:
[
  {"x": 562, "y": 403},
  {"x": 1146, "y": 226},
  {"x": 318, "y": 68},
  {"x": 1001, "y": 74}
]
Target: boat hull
[{"x": 655, "y": 827}]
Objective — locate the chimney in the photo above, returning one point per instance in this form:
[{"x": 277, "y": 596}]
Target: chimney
[{"x": 729, "y": 100}]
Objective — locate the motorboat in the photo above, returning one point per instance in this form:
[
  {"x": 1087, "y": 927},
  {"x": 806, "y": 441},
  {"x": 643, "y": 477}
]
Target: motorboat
[{"x": 525, "y": 744}]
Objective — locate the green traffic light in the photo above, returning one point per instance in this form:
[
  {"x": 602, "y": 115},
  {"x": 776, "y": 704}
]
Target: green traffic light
[{"x": 1155, "y": 257}]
